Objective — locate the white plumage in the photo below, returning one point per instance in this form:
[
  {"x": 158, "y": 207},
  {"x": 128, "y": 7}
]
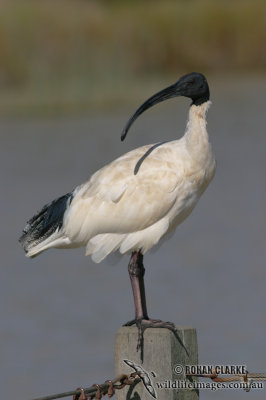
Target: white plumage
[
  {"x": 131, "y": 203},
  {"x": 119, "y": 210}
]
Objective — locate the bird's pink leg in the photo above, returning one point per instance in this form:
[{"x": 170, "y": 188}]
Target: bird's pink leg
[{"x": 136, "y": 273}]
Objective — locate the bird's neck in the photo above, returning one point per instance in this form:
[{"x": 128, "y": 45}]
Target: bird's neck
[{"x": 196, "y": 135}]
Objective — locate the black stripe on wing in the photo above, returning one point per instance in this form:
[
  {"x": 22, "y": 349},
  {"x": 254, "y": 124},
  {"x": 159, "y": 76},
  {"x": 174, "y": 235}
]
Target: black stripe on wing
[{"x": 145, "y": 155}]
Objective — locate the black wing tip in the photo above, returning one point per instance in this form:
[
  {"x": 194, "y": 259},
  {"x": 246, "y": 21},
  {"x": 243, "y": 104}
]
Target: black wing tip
[
  {"x": 21, "y": 239},
  {"x": 46, "y": 222}
]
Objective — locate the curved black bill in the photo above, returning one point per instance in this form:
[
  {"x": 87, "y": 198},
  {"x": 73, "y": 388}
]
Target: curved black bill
[{"x": 164, "y": 94}]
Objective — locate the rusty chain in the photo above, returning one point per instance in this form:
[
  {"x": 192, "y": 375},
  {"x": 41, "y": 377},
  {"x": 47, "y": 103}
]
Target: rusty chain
[
  {"x": 231, "y": 378},
  {"x": 246, "y": 378},
  {"x": 98, "y": 391},
  {"x": 110, "y": 386}
]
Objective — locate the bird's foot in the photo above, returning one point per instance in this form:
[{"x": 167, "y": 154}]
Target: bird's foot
[{"x": 144, "y": 323}]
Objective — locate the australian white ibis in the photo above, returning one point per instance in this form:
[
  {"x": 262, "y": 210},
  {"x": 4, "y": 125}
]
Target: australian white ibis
[{"x": 131, "y": 203}]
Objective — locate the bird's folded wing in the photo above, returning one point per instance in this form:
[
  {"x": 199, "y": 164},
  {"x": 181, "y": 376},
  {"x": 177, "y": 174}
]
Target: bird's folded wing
[{"x": 119, "y": 201}]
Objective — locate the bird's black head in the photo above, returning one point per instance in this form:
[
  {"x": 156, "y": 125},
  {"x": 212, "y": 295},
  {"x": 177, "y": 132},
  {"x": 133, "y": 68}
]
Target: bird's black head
[{"x": 193, "y": 85}]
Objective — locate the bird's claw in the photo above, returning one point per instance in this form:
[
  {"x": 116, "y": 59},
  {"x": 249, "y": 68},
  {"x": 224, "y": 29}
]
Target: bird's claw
[
  {"x": 130, "y": 323},
  {"x": 142, "y": 324}
]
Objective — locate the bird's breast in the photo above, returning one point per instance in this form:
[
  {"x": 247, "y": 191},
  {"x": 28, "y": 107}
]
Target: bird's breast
[{"x": 197, "y": 174}]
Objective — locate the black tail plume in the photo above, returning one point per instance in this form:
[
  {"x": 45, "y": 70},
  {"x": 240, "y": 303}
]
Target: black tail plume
[{"x": 46, "y": 222}]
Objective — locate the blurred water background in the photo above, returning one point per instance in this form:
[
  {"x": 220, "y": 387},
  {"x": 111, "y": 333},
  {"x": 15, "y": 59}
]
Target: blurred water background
[{"x": 71, "y": 72}]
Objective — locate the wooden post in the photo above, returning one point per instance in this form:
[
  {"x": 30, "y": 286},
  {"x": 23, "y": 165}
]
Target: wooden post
[{"x": 164, "y": 356}]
